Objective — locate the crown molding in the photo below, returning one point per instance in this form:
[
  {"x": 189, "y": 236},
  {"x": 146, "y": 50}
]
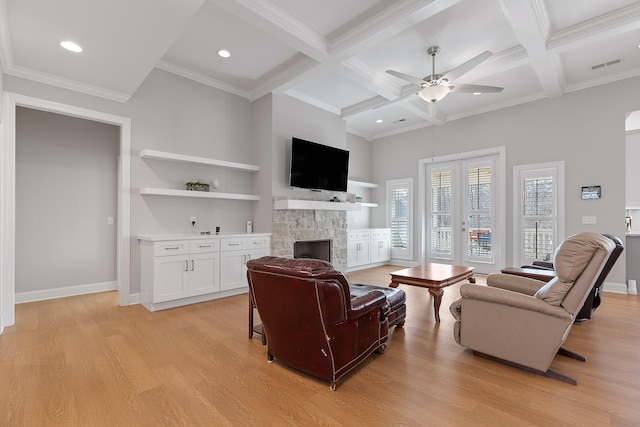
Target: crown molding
[
  {"x": 49, "y": 79},
  {"x": 201, "y": 78},
  {"x": 312, "y": 101},
  {"x": 617, "y": 22}
]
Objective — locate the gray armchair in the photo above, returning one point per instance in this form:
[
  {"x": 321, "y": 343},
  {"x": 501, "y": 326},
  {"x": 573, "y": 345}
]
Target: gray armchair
[{"x": 520, "y": 322}]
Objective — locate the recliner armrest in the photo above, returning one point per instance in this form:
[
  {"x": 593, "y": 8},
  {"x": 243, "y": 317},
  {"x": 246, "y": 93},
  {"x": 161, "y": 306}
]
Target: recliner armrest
[
  {"x": 512, "y": 299},
  {"x": 512, "y": 282}
]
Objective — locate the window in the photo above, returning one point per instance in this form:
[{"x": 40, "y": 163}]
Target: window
[
  {"x": 399, "y": 218},
  {"x": 539, "y": 211}
]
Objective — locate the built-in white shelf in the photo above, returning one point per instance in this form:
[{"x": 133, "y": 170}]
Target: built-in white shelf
[
  {"x": 173, "y": 157},
  {"x": 368, "y": 205},
  {"x": 362, "y": 184},
  {"x": 196, "y": 194},
  {"x": 315, "y": 205}
]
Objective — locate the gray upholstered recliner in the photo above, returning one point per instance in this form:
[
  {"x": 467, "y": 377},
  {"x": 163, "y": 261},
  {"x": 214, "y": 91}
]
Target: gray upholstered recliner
[{"x": 527, "y": 328}]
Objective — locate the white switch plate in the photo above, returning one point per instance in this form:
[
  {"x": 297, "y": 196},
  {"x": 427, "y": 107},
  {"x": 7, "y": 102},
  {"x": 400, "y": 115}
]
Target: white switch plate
[
  {"x": 109, "y": 220},
  {"x": 589, "y": 220}
]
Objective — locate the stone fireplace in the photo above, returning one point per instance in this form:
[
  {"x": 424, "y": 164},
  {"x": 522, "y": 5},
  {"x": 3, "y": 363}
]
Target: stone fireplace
[{"x": 300, "y": 225}]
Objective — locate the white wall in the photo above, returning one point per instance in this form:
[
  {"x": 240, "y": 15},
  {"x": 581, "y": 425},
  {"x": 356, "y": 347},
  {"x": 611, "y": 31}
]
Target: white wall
[
  {"x": 584, "y": 128},
  {"x": 66, "y": 183}
]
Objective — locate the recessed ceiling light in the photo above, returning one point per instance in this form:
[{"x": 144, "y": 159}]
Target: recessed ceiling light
[
  {"x": 379, "y": 121},
  {"x": 224, "y": 53},
  {"x": 69, "y": 45}
]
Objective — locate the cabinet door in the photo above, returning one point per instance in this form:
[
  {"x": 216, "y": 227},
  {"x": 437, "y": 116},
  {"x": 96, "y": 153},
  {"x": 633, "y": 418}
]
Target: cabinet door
[
  {"x": 254, "y": 254},
  {"x": 233, "y": 270},
  {"x": 352, "y": 254},
  {"x": 203, "y": 273},
  {"x": 171, "y": 277},
  {"x": 364, "y": 252}
]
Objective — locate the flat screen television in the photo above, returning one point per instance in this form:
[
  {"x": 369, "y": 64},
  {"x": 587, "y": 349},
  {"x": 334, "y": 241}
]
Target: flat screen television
[{"x": 318, "y": 167}]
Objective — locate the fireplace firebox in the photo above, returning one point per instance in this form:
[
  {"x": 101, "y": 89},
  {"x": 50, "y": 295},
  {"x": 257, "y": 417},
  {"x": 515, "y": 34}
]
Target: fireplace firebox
[{"x": 318, "y": 249}]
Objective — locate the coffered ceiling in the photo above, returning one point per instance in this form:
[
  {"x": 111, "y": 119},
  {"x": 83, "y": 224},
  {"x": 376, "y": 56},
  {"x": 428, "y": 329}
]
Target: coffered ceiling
[{"x": 329, "y": 53}]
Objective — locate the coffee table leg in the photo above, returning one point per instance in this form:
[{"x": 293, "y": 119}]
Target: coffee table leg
[
  {"x": 393, "y": 284},
  {"x": 472, "y": 279},
  {"x": 437, "y": 299}
]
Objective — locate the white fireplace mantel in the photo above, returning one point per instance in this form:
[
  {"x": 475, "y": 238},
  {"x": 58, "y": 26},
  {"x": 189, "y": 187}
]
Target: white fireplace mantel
[{"x": 315, "y": 205}]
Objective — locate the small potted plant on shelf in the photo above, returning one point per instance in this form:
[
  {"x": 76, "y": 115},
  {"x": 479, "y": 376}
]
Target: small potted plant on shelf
[{"x": 197, "y": 186}]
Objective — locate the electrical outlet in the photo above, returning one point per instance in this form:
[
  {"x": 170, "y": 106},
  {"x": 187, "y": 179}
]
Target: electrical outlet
[
  {"x": 589, "y": 220},
  {"x": 193, "y": 221}
]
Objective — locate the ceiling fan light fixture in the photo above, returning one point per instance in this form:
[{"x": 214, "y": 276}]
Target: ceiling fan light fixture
[{"x": 434, "y": 93}]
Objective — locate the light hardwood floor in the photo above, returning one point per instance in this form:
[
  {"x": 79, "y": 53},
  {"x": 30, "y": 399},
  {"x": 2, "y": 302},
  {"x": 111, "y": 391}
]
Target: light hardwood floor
[{"x": 85, "y": 361}]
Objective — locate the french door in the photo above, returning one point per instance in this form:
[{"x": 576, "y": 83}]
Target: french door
[{"x": 461, "y": 213}]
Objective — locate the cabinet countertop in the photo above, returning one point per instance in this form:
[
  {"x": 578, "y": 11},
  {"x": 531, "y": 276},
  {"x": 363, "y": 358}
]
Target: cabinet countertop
[{"x": 196, "y": 236}]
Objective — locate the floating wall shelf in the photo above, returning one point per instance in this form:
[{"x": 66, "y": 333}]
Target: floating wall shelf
[
  {"x": 172, "y": 157},
  {"x": 362, "y": 184},
  {"x": 196, "y": 194},
  {"x": 315, "y": 205}
]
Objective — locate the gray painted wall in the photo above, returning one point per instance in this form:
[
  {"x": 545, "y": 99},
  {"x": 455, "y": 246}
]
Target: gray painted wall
[
  {"x": 66, "y": 186},
  {"x": 170, "y": 113},
  {"x": 584, "y": 128}
]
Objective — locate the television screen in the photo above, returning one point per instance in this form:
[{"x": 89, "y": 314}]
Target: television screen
[{"x": 318, "y": 167}]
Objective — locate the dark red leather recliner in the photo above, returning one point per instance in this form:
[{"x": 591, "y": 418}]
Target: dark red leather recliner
[{"x": 312, "y": 320}]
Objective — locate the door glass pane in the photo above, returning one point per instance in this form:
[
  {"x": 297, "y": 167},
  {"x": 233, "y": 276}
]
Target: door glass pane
[
  {"x": 441, "y": 234},
  {"x": 537, "y": 219},
  {"x": 479, "y": 212},
  {"x": 441, "y": 213}
]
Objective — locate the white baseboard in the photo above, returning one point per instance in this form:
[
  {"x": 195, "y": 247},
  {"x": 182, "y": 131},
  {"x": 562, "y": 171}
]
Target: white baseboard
[
  {"x": 134, "y": 299},
  {"x": 67, "y": 291},
  {"x": 404, "y": 262},
  {"x": 618, "y": 288}
]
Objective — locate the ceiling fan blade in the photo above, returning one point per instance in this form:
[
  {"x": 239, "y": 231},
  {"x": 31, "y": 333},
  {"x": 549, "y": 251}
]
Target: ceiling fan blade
[
  {"x": 460, "y": 88},
  {"x": 466, "y": 66},
  {"x": 407, "y": 77}
]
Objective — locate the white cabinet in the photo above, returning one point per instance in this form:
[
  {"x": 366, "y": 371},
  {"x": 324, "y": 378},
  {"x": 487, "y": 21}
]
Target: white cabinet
[
  {"x": 172, "y": 270},
  {"x": 358, "y": 245},
  {"x": 368, "y": 247},
  {"x": 235, "y": 252},
  {"x": 176, "y": 271},
  {"x": 380, "y": 250}
]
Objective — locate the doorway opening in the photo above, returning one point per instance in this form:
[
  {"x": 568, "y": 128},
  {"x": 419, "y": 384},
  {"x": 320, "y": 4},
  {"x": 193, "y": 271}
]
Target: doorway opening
[{"x": 8, "y": 195}]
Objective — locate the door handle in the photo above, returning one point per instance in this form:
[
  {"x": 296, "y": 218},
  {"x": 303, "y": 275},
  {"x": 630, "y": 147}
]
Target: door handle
[
  {"x": 193, "y": 264},
  {"x": 186, "y": 265}
]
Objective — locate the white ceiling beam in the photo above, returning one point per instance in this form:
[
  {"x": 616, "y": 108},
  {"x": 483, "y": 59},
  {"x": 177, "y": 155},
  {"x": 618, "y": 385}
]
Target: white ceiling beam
[
  {"x": 367, "y": 77},
  {"x": 399, "y": 16},
  {"x": 364, "y": 106},
  {"x": 274, "y": 21},
  {"x": 530, "y": 23},
  {"x": 438, "y": 119},
  {"x": 608, "y": 25}
]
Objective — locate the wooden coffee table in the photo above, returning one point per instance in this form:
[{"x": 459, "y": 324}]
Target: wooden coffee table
[{"x": 434, "y": 277}]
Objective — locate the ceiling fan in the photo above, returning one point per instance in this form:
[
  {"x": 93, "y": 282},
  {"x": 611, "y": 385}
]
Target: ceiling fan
[{"x": 436, "y": 86}]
